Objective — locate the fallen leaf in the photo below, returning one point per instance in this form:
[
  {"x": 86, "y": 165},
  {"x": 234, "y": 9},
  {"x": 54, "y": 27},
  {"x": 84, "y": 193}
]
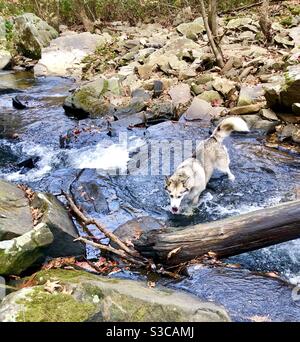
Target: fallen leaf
[
  {"x": 151, "y": 284},
  {"x": 52, "y": 286}
]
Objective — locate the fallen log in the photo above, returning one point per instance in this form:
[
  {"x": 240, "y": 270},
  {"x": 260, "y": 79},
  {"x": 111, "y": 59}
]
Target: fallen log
[{"x": 227, "y": 237}]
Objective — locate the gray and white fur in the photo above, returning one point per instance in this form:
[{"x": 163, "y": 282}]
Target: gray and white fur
[{"x": 192, "y": 175}]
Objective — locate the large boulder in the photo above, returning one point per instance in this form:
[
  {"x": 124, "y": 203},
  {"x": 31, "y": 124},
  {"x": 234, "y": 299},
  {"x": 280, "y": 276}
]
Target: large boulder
[
  {"x": 65, "y": 54},
  {"x": 31, "y": 34},
  {"x": 76, "y": 296},
  {"x": 21, "y": 242},
  {"x": 5, "y": 58},
  {"x": 284, "y": 91}
]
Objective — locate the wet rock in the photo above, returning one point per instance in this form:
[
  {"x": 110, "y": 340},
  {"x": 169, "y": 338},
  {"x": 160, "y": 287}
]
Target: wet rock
[
  {"x": 296, "y": 136},
  {"x": 94, "y": 98},
  {"x": 286, "y": 132},
  {"x": 180, "y": 94},
  {"x": 15, "y": 215},
  {"x": 289, "y": 118},
  {"x": 18, "y": 104},
  {"x": 29, "y": 163},
  {"x": 5, "y": 58},
  {"x": 57, "y": 219},
  {"x": 31, "y": 34},
  {"x": 65, "y": 55},
  {"x": 17, "y": 254},
  {"x": 211, "y": 96},
  {"x": 250, "y": 95},
  {"x": 98, "y": 299},
  {"x": 253, "y": 108},
  {"x": 193, "y": 29}
]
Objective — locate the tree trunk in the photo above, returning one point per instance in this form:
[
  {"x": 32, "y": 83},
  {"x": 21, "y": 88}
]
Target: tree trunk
[
  {"x": 227, "y": 237},
  {"x": 216, "y": 50},
  {"x": 265, "y": 22},
  {"x": 212, "y": 17},
  {"x": 81, "y": 15}
]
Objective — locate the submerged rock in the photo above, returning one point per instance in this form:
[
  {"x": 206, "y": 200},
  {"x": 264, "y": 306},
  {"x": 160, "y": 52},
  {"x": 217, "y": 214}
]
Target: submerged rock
[
  {"x": 31, "y": 34},
  {"x": 81, "y": 297}
]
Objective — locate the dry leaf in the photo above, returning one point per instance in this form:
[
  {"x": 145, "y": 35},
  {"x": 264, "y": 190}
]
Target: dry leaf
[
  {"x": 52, "y": 286},
  {"x": 173, "y": 252},
  {"x": 151, "y": 284}
]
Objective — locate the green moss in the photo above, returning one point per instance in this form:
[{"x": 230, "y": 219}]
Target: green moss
[
  {"x": 286, "y": 21},
  {"x": 295, "y": 10},
  {"x": 41, "y": 306}
]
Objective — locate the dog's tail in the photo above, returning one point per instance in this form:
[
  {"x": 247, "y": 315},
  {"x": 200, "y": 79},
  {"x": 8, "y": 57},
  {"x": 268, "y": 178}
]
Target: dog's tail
[{"x": 228, "y": 125}]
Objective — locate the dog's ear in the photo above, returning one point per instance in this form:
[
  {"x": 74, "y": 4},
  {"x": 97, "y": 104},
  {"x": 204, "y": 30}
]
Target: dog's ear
[{"x": 167, "y": 181}]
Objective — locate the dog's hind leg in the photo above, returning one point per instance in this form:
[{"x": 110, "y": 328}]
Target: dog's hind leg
[{"x": 223, "y": 165}]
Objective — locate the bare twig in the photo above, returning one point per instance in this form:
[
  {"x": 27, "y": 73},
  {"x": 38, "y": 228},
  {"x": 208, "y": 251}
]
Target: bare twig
[
  {"x": 216, "y": 50},
  {"x": 90, "y": 221}
]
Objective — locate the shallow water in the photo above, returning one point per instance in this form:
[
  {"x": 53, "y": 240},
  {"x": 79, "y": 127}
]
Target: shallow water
[{"x": 263, "y": 177}]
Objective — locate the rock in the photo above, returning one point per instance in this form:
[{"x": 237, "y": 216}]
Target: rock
[
  {"x": 180, "y": 94},
  {"x": 289, "y": 118},
  {"x": 5, "y": 58},
  {"x": 193, "y": 29},
  {"x": 283, "y": 40},
  {"x": 284, "y": 92},
  {"x": 238, "y": 23},
  {"x": 202, "y": 111},
  {"x": 286, "y": 132},
  {"x": 57, "y": 219},
  {"x": 145, "y": 71},
  {"x": 31, "y": 34},
  {"x": 268, "y": 114},
  {"x": 3, "y": 40},
  {"x": 17, "y": 254},
  {"x": 92, "y": 98},
  {"x": 86, "y": 297},
  {"x": 294, "y": 33},
  {"x": 211, "y": 96},
  {"x": 22, "y": 244},
  {"x": 255, "y": 122},
  {"x": 223, "y": 86},
  {"x": 15, "y": 215},
  {"x": 250, "y": 95},
  {"x": 246, "y": 109},
  {"x": 296, "y": 136},
  {"x": 296, "y": 108},
  {"x": 65, "y": 55},
  {"x": 158, "y": 88}
]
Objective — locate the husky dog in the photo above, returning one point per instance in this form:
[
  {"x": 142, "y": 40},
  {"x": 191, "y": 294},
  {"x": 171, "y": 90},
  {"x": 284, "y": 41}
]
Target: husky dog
[{"x": 192, "y": 175}]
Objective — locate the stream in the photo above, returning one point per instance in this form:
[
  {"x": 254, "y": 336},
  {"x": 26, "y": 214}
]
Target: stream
[{"x": 100, "y": 166}]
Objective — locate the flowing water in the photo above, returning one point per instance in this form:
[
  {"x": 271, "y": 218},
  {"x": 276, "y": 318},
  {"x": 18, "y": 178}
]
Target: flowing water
[{"x": 83, "y": 156}]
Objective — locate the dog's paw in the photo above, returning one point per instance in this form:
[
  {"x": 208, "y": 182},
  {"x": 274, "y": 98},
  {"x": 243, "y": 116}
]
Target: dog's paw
[{"x": 231, "y": 177}]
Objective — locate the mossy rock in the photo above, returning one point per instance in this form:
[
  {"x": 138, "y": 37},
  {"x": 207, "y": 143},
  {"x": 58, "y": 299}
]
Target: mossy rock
[
  {"x": 85, "y": 297},
  {"x": 31, "y": 34}
]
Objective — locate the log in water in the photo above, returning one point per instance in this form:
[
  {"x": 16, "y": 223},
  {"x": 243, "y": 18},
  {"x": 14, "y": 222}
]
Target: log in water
[{"x": 226, "y": 237}]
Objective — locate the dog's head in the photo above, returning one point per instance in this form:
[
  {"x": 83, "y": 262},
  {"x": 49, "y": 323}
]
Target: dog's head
[{"x": 176, "y": 187}]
